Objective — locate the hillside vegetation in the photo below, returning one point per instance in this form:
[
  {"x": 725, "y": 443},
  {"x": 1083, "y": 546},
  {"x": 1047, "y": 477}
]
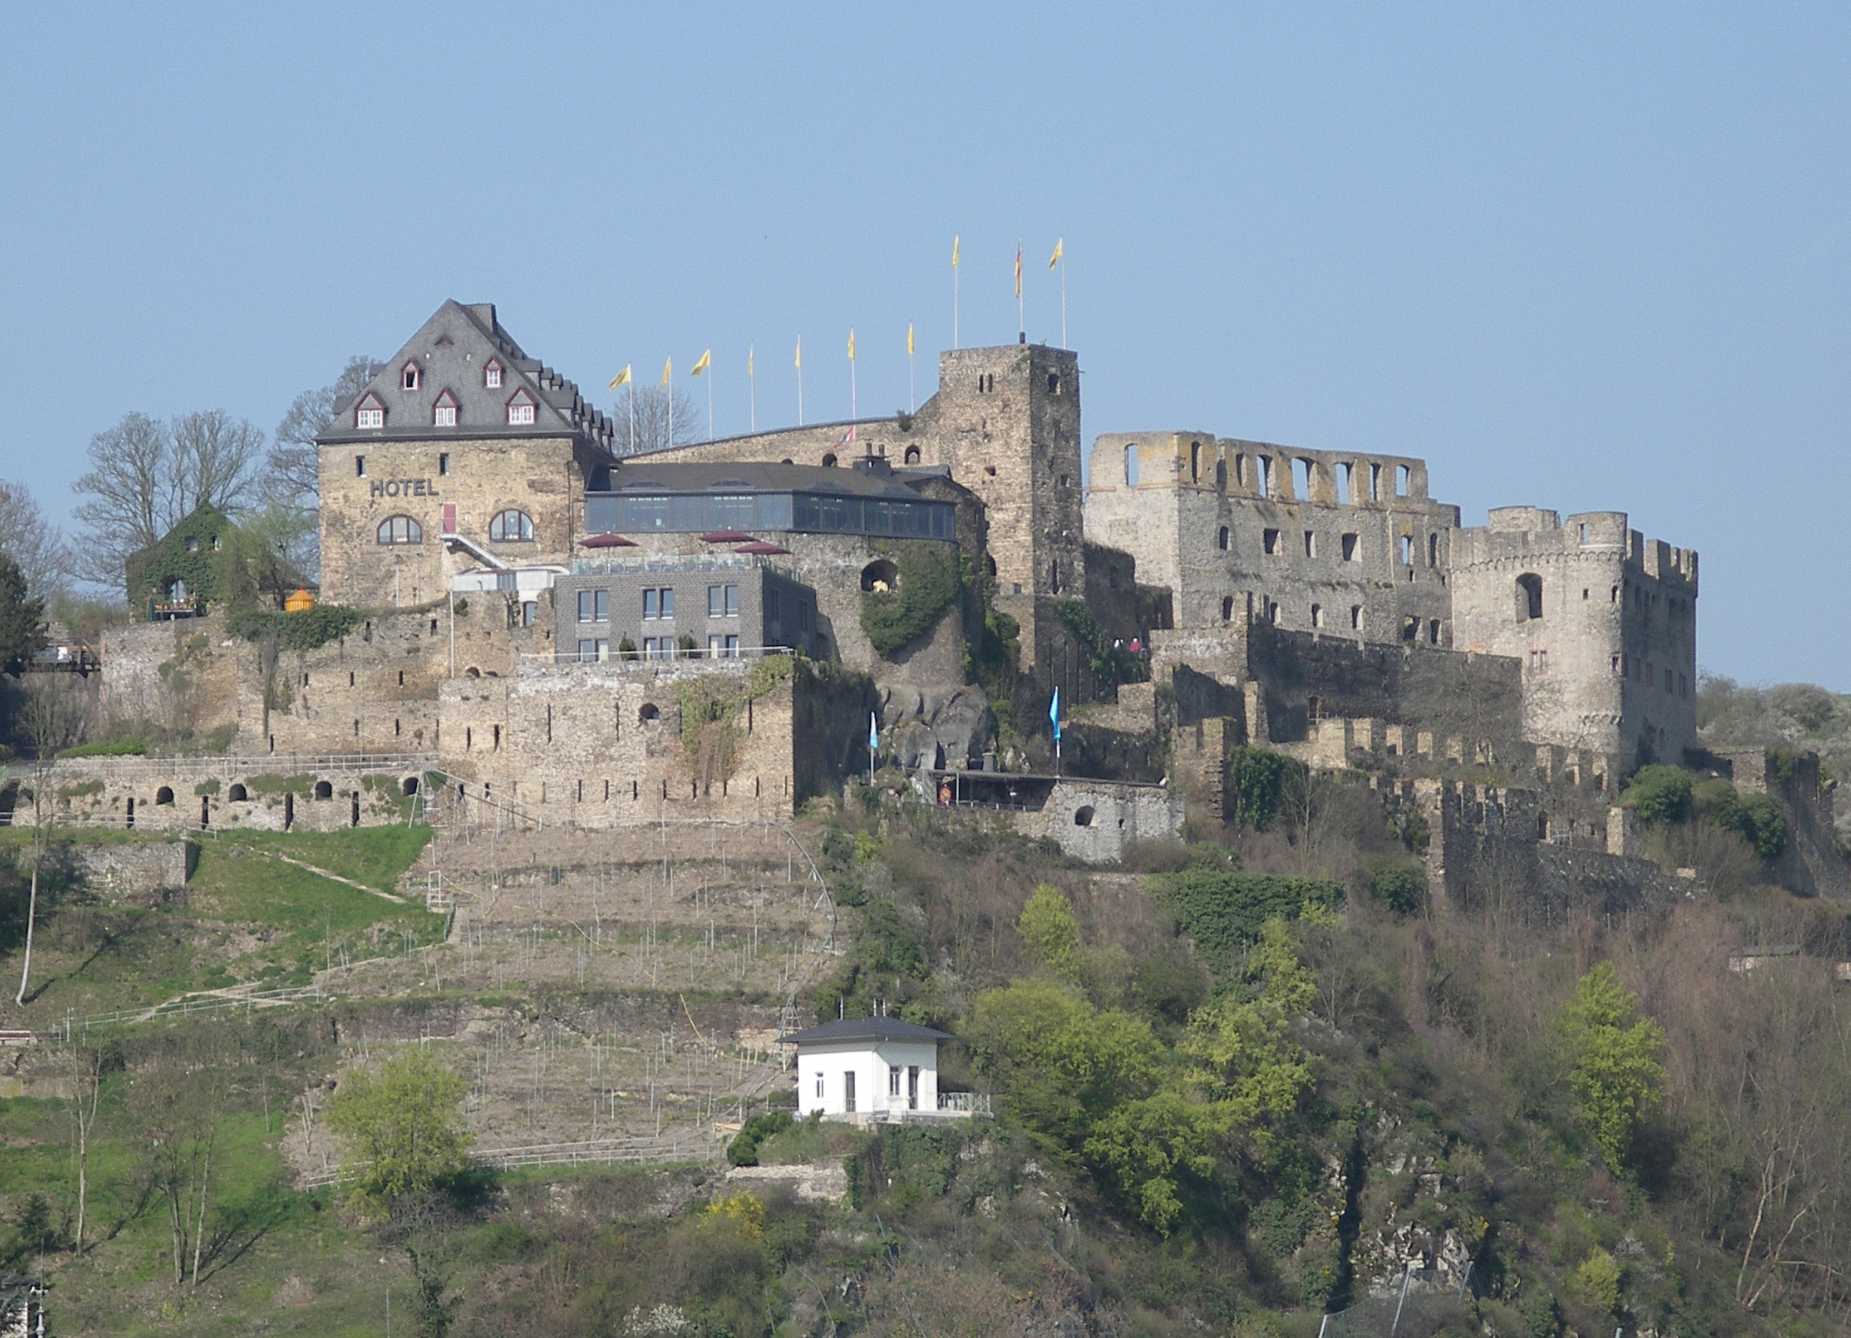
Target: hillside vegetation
[{"x": 1239, "y": 1083}]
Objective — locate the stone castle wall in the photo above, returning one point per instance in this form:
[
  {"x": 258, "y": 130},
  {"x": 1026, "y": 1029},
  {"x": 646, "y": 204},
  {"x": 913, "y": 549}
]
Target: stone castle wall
[
  {"x": 605, "y": 745},
  {"x": 1247, "y": 531}
]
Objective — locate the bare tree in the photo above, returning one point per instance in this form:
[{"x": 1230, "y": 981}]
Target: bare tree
[
  {"x": 33, "y": 542},
  {"x": 146, "y": 476},
  {"x": 84, "y": 1072},
  {"x": 181, "y": 1099},
  {"x": 653, "y": 417},
  {"x": 295, "y": 477},
  {"x": 52, "y": 718}
]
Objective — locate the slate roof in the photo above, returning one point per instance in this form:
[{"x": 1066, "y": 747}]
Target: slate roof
[
  {"x": 640, "y": 476},
  {"x": 864, "y": 1029},
  {"x": 452, "y": 349}
]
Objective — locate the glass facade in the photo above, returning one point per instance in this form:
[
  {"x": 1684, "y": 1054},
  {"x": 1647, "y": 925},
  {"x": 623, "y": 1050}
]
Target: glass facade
[{"x": 820, "y": 513}]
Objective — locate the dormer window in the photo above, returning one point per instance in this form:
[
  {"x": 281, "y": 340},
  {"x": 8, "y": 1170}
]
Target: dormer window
[
  {"x": 520, "y": 410},
  {"x": 408, "y": 377},
  {"x": 491, "y": 375},
  {"x": 369, "y": 413},
  {"x": 443, "y": 413}
]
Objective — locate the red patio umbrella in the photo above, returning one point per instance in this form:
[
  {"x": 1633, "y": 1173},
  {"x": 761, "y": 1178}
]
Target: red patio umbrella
[
  {"x": 760, "y": 548},
  {"x": 606, "y": 541},
  {"x": 725, "y": 537}
]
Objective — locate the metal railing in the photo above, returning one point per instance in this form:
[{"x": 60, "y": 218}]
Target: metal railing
[
  {"x": 254, "y": 764},
  {"x": 638, "y": 660}
]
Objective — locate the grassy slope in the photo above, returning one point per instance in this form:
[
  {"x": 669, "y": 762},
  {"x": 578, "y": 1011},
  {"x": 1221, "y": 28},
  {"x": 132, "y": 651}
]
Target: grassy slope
[{"x": 245, "y": 918}]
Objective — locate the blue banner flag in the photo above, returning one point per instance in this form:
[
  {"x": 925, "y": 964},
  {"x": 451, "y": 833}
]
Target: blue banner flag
[
  {"x": 1054, "y": 714},
  {"x": 874, "y": 734}
]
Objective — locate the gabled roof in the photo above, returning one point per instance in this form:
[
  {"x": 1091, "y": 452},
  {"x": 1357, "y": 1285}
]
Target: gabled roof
[
  {"x": 864, "y": 1029},
  {"x": 451, "y": 349}
]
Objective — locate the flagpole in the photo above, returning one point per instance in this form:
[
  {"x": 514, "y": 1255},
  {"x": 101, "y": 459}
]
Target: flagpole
[
  {"x": 799, "y": 380},
  {"x": 1021, "y": 318},
  {"x": 1063, "y": 301},
  {"x": 912, "y": 397},
  {"x": 954, "y": 306},
  {"x": 632, "y": 385},
  {"x": 752, "y": 387},
  {"x": 852, "y": 411},
  {"x": 710, "y": 402}
]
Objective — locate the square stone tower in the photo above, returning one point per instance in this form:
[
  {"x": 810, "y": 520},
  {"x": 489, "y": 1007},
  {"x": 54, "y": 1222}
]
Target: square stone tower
[{"x": 1009, "y": 418}]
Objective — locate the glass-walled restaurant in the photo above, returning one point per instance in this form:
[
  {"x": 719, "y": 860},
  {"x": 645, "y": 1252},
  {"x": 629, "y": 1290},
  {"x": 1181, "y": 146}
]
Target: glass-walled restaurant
[{"x": 807, "y": 512}]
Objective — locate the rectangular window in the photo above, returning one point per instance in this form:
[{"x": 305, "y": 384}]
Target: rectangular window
[
  {"x": 848, "y": 1090},
  {"x": 359, "y": 461},
  {"x": 520, "y": 414},
  {"x": 668, "y": 601},
  {"x": 587, "y": 650},
  {"x": 443, "y": 457},
  {"x": 1407, "y": 550},
  {"x": 370, "y": 418},
  {"x": 715, "y": 644},
  {"x": 587, "y": 605},
  {"x": 491, "y": 376},
  {"x": 446, "y": 417},
  {"x": 1352, "y": 548},
  {"x": 1311, "y": 543},
  {"x": 1273, "y": 547},
  {"x": 893, "y": 1080},
  {"x": 1356, "y": 617},
  {"x": 716, "y": 601},
  {"x": 652, "y": 605},
  {"x": 732, "y": 601},
  {"x": 819, "y": 1087},
  {"x": 732, "y": 648}
]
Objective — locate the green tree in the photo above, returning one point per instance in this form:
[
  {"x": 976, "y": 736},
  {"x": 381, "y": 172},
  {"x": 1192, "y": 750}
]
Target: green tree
[
  {"x": 1050, "y": 933},
  {"x": 1145, "y": 1147},
  {"x": 1659, "y": 794},
  {"x": 401, "y": 1125},
  {"x": 22, "y": 617},
  {"x": 1240, "y": 1051},
  {"x": 1613, "y": 1058}
]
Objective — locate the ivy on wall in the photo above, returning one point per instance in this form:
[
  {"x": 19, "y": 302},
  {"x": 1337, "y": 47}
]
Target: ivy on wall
[
  {"x": 308, "y": 630},
  {"x": 928, "y": 584},
  {"x": 149, "y": 570}
]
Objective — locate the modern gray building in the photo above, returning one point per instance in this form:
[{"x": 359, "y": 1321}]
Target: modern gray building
[{"x": 717, "y": 605}]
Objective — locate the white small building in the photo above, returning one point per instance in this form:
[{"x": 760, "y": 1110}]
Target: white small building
[{"x": 875, "y": 1068}]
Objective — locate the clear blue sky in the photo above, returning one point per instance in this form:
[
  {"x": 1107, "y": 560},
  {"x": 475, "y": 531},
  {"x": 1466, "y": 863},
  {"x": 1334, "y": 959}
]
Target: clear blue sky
[{"x": 1586, "y": 257}]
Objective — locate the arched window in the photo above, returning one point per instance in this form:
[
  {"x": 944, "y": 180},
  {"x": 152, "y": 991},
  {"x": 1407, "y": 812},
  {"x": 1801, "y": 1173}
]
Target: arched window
[
  {"x": 912, "y": 455},
  {"x": 1222, "y": 538},
  {"x": 829, "y": 460},
  {"x": 511, "y": 527},
  {"x": 409, "y": 376},
  {"x": 324, "y": 790},
  {"x": 400, "y": 530},
  {"x": 1227, "y": 608},
  {"x": 443, "y": 414},
  {"x": 880, "y": 577},
  {"x": 1221, "y": 476},
  {"x": 238, "y": 794},
  {"x": 1083, "y": 816},
  {"x": 164, "y": 795},
  {"x": 648, "y": 713},
  {"x": 1195, "y": 462},
  {"x": 1529, "y": 597},
  {"x": 491, "y": 375},
  {"x": 1131, "y": 465},
  {"x": 409, "y": 785}
]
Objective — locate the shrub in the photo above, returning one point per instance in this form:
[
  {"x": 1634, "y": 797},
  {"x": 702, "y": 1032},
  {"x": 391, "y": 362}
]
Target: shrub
[
  {"x": 308, "y": 630},
  {"x": 127, "y": 747},
  {"x": 1596, "y": 1282},
  {"x": 743, "y": 1150},
  {"x": 1222, "y": 910},
  {"x": 1257, "y": 783},
  {"x": 1659, "y": 794},
  {"x": 1398, "y": 885}
]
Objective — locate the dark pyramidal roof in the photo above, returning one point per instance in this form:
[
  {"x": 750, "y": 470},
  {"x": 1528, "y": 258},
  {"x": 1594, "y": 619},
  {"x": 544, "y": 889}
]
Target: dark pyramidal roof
[
  {"x": 452, "y": 350},
  {"x": 864, "y": 1029}
]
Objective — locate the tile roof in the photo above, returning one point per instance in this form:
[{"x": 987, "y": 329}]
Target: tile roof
[{"x": 864, "y": 1029}]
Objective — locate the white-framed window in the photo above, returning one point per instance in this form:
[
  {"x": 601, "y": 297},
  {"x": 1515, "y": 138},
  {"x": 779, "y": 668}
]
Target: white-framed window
[
  {"x": 443, "y": 413},
  {"x": 369, "y": 415},
  {"x": 520, "y": 411},
  {"x": 511, "y": 526},
  {"x": 893, "y": 1079},
  {"x": 819, "y": 1087},
  {"x": 409, "y": 376},
  {"x": 491, "y": 375}
]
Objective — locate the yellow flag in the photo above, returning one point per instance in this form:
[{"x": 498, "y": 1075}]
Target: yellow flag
[
  {"x": 668, "y": 370},
  {"x": 909, "y": 339},
  {"x": 1018, "y": 271},
  {"x": 1060, "y": 244},
  {"x": 851, "y": 343},
  {"x": 748, "y": 362},
  {"x": 954, "y": 250},
  {"x": 702, "y": 363},
  {"x": 622, "y": 378},
  {"x": 798, "y": 361}
]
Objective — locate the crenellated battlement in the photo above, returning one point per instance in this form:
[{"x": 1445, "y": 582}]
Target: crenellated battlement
[{"x": 1516, "y": 534}]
